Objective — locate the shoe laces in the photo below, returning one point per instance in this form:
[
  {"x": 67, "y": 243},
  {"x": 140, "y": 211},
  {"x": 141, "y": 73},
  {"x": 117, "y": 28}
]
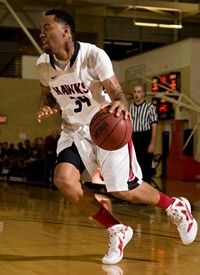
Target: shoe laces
[
  {"x": 175, "y": 216},
  {"x": 113, "y": 239}
]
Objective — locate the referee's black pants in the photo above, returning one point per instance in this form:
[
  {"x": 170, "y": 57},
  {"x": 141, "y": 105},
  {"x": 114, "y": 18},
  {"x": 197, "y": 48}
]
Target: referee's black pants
[{"x": 141, "y": 141}]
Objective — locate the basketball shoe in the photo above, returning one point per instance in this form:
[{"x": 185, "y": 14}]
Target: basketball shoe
[
  {"x": 180, "y": 214},
  {"x": 119, "y": 235}
]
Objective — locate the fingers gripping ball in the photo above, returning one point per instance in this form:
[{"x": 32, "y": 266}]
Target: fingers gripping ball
[{"x": 108, "y": 131}]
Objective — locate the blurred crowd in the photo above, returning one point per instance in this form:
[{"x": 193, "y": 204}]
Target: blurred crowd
[{"x": 32, "y": 160}]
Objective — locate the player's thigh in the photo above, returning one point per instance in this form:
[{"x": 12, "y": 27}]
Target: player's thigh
[{"x": 69, "y": 166}]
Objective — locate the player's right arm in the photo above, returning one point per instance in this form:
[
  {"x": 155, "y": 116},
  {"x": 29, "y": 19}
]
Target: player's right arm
[
  {"x": 46, "y": 104},
  {"x": 116, "y": 94},
  {"x": 104, "y": 70}
]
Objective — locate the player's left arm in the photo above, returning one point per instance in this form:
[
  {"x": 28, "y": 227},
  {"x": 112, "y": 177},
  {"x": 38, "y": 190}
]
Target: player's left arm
[
  {"x": 116, "y": 94},
  {"x": 46, "y": 104}
]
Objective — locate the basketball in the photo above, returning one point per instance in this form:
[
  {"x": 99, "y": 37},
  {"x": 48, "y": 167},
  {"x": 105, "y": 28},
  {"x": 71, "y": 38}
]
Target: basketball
[{"x": 108, "y": 131}]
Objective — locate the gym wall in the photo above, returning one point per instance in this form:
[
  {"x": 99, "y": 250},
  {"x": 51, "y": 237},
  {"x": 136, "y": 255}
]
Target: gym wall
[{"x": 20, "y": 97}]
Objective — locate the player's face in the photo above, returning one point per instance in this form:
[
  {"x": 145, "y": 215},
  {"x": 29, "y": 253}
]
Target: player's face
[
  {"x": 52, "y": 35},
  {"x": 138, "y": 94}
]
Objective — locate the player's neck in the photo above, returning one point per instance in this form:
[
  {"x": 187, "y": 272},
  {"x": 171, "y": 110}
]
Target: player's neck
[{"x": 66, "y": 53}]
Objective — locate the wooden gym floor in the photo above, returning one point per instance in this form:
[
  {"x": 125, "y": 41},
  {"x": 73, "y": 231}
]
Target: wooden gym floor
[{"x": 42, "y": 234}]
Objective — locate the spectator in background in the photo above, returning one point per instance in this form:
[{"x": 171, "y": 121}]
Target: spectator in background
[
  {"x": 145, "y": 122},
  {"x": 37, "y": 151},
  {"x": 4, "y": 150},
  {"x": 50, "y": 145},
  {"x": 28, "y": 147},
  {"x": 35, "y": 163},
  {"x": 1, "y": 157},
  {"x": 4, "y": 158},
  {"x": 12, "y": 151},
  {"x": 12, "y": 160},
  {"x": 21, "y": 150}
]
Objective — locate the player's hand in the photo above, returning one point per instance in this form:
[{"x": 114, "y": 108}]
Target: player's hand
[
  {"x": 45, "y": 112},
  {"x": 118, "y": 107}
]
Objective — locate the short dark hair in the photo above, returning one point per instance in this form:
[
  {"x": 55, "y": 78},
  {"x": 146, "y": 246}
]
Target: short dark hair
[{"x": 63, "y": 17}]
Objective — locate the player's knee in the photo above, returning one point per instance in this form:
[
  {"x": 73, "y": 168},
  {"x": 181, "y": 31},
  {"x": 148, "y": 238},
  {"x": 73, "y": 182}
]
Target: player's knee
[
  {"x": 61, "y": 182},
  {"x": 65, "y": 178}
]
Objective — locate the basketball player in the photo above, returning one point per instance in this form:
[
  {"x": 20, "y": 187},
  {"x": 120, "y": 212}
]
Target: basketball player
[{"x": 74, "y": 75}]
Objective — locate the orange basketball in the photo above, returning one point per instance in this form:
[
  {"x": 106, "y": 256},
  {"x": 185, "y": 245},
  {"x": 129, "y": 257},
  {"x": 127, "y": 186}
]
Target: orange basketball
[{"x": 108, "y": 131}]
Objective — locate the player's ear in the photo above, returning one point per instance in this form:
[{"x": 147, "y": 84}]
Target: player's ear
[{"x": 66, "y": 29}]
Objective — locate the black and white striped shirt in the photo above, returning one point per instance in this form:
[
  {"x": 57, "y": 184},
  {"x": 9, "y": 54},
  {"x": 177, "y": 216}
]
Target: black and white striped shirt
[{"x": 143, "y": 116}]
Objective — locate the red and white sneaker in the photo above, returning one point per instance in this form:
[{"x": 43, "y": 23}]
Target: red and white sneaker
[
  {"x": 180, "y": 214},
  {"x": 119, "y": 235}
]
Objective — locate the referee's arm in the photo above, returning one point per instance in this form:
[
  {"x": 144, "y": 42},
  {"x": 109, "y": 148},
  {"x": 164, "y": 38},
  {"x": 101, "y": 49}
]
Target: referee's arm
[{"x": 151, "y": 146}]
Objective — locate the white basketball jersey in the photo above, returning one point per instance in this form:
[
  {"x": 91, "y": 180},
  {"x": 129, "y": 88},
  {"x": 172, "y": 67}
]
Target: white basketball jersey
[{"x": 77, "y": 88}]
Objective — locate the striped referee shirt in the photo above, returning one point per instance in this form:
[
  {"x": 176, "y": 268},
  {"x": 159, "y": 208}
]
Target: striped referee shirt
[{"x": 143, "y": 116}]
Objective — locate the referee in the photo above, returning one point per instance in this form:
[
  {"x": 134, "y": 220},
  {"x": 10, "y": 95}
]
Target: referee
[{"x": 145, "y": 122}]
